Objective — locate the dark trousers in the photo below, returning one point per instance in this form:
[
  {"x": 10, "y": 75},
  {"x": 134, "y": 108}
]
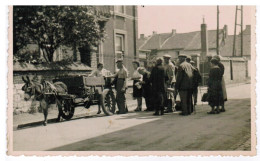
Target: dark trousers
[
  {"x": 158, "y": 101},
  {"x": 139, "y": 102},
  {"x": 148, "y": 103},
  {"x": 195, "y": 95},
  {"x": 121, "y": 102},
  {"x": 186, "y": 101},
  {"x": 120, "y": 96}
]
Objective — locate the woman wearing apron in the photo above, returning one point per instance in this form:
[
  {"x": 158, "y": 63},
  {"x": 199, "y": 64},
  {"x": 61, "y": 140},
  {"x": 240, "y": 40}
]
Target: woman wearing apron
[
  {"x": 137, "y": 88},
  {"x": 98, "y": 73}
]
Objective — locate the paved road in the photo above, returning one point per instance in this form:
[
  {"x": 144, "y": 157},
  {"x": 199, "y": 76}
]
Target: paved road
[{"x": 142, "y": 131}]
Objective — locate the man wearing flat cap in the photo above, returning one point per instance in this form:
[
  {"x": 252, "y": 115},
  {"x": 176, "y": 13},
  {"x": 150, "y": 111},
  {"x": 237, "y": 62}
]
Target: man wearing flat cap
[
  {"x": 184, "y": 84},
  {"x": 170, "y": 81},
  {"x": 120, "y": 86},
  {"x": 188, "y": 59}
]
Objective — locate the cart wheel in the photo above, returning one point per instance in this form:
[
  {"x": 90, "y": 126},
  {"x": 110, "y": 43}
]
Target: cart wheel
[
  {"x": 66, "y": 109},
  {"x": 108, "y": 102}
]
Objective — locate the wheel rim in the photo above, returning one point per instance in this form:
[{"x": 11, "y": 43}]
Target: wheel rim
[
  {"x": 66, "y": 108},
  {"x": 109, "y": 103}
]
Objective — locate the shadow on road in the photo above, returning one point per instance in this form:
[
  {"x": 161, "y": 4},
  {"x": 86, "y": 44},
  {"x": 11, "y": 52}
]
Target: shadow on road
[{"x": 172, "y": 132}]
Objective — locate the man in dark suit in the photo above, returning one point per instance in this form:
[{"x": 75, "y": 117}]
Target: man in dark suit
[
  {"x": 196, "y": 81},
  {"x": 184, "y": 84},
  {"x": 157, "y": 80}
]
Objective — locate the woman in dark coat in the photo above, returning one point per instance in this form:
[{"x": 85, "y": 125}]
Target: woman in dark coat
[
  {"x": 215, "y": 94},
  {"x": 147, "y": 88},
  {"x": 222, "y": 69}
]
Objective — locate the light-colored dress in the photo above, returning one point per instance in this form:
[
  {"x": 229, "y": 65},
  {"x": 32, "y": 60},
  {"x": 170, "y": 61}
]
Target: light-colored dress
[
  {"x": 170, "y": 73},
  {"x": 137, "y": 90},
  {"x": 121, "y": 76}
]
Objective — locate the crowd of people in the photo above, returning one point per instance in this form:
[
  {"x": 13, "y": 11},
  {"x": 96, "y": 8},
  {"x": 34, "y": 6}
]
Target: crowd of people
[{"x": 166, "y": 81}]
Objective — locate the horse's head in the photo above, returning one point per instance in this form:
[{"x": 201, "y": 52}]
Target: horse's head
[{"x": 27, "y": 88}]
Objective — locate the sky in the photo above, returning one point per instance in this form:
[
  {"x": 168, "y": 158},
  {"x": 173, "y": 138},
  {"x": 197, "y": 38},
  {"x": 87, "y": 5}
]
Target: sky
[{"x": 163, "y": 19}]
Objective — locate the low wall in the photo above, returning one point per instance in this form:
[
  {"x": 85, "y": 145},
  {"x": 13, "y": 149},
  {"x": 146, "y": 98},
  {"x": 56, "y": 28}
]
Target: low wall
[{"x": 235, "y": 70}]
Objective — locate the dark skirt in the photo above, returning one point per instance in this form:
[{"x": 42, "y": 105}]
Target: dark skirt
[
  {"x": 215, "y": 94},
  {"x": 136, "y": 92}
]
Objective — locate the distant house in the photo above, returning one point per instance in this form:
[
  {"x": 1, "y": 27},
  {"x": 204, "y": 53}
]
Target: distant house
[
  {"x": 201, "y": 45},
  {"x": 190, "y": 43}
]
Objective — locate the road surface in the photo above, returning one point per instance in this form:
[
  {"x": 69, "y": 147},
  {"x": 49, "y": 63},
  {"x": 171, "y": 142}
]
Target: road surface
[{"x": 142, "y": 131}]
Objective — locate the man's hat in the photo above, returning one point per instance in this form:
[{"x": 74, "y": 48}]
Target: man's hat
[
  {"x": 167, "y": 56},
  {"x": 188, "y": 57},
  {"x": 136, "y": 62},
  {"x": 216, "y": 57},
  {"x": 119, "y": 60},
  {"x": 182, "y": 56},
  {"x": 192, "y": 62}
]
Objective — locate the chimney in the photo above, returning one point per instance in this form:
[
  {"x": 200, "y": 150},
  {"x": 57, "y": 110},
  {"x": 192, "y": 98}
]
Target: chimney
[
  {"x": 248, "y": 29},
  {"x": 154, "y": 32},
  {"x": 248, "y": 26},
  {"x": 141, "y": 36},
  {"x": 173, "y": 31},
  {"x": 204, "y": 41}
]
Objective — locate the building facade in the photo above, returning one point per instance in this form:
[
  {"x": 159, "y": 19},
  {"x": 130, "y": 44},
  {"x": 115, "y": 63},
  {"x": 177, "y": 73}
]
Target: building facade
[{"x": 122, "y": 33}]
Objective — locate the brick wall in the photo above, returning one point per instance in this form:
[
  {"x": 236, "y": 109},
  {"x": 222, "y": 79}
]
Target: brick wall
[
  {"x": 125, "y": 24},
  {"x": 239, "y": 71},
  {"x": 235, "y": 74}
]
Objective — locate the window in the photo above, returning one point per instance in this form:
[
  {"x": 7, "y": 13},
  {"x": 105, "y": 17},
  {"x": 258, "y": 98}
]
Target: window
[
  {"x": 119, "y": 9},
  {"x": 119, "y": 46}
]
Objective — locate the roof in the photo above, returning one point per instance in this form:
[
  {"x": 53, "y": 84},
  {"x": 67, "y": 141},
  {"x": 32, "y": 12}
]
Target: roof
[
  {"x": 195, "y": 43},
  {"x": 155, "y": 41},
  {"x": 247, "y": 30},
  {"x": 180, "y": 41},
  {"x": 227, "y": 49},
  {"x": 185, "y": 41},
  {"x": 18, "y": 66}
]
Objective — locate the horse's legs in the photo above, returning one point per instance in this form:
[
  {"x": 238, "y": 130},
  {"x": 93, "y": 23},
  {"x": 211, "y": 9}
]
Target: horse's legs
[{"x": 45, "y": 107}]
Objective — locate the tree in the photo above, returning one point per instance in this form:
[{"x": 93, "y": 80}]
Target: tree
[{"x": 53, "y": 26}]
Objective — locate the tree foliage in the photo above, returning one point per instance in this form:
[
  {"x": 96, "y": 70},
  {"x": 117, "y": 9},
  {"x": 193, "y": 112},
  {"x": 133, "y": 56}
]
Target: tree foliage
[{"x": 53, "y": 26}]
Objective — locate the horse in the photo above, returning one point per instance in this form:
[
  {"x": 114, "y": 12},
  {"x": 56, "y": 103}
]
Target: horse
[{"x": 39, "y": 90}]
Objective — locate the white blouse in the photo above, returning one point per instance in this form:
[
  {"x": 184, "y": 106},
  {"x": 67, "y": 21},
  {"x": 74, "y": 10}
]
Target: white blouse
[{"x": 136, "y": 74}]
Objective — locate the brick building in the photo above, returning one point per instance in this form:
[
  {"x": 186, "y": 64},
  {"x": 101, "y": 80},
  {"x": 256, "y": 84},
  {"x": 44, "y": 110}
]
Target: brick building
[{"x": 120, "y": 42}]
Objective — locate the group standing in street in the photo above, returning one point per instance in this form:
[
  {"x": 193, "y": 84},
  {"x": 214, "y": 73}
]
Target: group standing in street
[{"x": 165, "y": 82}]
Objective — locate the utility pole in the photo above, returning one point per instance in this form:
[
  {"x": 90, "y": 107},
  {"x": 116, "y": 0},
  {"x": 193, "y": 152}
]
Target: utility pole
[
  {"x": 241, "y": 31},
  {"x": 235, "y": 32},
  {"x": 217, "y": 41}
]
